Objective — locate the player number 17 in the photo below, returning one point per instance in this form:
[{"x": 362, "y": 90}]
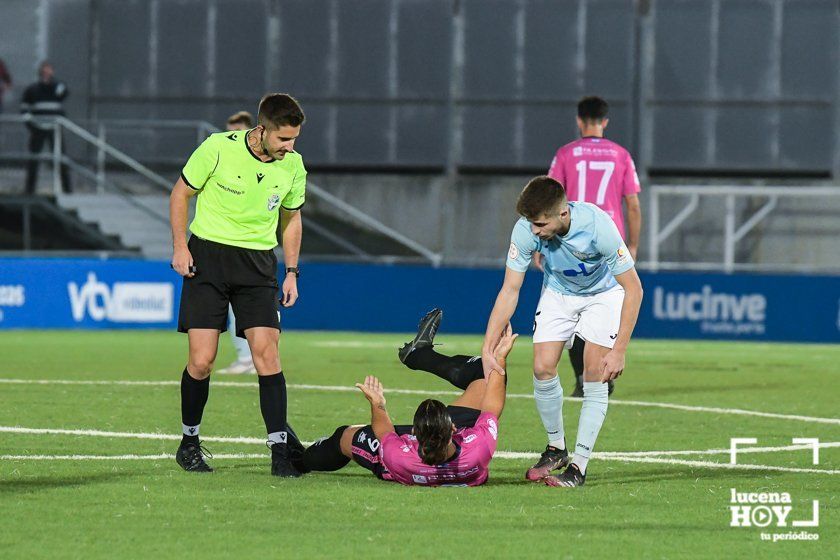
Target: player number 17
[{"x": 606, "y": 166}]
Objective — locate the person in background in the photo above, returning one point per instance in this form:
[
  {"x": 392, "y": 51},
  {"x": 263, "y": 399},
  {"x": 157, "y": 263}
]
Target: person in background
[
  {"x": 42, "y": 101},
  {"x": 594, "y": 169},
  {"x": 5, "y": 82},
  {"x": 244, "y": 363}
]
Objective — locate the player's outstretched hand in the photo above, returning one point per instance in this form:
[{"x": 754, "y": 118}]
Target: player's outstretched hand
[
  {"x": 505, "y": 344},
  {"x": 612, "y": 365},
  {"x": 373, "y": 390},
  {"x": 182, "y": 261},
  {"x": 290, "y": 291},
  {"x": 490, "y": 363}
]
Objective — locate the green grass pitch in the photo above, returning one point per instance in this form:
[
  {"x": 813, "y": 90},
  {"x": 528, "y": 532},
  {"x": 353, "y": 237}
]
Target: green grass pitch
[{"x": 663, "y": 505}]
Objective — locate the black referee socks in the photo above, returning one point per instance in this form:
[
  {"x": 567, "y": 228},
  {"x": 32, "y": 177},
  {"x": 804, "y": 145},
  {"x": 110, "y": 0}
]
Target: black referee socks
[
  {"x": 458, "y": 370},
  {"x": 194, "y": 395},
  {"x": 273, "y": 406}
]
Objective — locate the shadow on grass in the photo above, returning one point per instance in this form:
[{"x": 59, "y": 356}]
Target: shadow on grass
[
  {"x": 670, "y": 474},
  {"x": 260, "y": 468},
  {"x": 33, "y": 484},
  {"x": 513, "y": 477}
]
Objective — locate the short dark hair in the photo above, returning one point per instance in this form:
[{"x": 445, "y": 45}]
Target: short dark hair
[
  {"x": 280, "y": 109},
  {"x": 242, "y": 117},
  {"x": 540, "y": 196},
  {"x": 592, "y": 108},
  {"x": 433, "y": 430}
]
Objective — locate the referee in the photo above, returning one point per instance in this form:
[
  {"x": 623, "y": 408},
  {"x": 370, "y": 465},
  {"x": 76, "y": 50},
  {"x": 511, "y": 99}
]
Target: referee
[{"x": 244, "y": 181}]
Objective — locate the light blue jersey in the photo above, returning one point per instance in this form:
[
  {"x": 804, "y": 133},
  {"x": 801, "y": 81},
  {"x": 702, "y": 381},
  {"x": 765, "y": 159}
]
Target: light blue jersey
[{"x": 583, "y": 262}]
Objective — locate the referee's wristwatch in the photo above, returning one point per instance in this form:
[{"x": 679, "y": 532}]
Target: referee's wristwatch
[{"x": 293, "y": 269}]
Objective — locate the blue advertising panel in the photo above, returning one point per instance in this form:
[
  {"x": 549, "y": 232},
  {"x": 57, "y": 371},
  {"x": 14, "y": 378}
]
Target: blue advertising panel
[
  {"x": 741, "y": 307},
  {"x": 87, "y": 293},
  {"x": 91, "y": 294}
]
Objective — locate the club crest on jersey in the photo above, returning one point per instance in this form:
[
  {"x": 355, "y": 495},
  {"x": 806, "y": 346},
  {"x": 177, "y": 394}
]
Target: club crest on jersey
[
  {"x": 584, "y": 256},
  {"x": 273, "y": 201}
]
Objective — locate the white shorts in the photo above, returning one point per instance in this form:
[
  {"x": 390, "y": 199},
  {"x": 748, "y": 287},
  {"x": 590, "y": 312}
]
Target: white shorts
[{"x": 594, "y": 318}]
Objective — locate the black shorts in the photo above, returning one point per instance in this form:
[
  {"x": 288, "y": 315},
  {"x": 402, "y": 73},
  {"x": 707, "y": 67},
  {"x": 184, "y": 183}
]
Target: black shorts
[
  {"x": 365, "y": 446},
  {"x": 244, "y": 278}
]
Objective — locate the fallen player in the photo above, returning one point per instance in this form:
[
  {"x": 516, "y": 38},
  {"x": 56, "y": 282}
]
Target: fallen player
[{"x": 446, "y": 445}]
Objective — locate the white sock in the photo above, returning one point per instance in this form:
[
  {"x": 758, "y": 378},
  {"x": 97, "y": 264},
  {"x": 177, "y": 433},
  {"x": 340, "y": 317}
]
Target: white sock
[
  {"x": 548, "y": 395},
  {"x": 190, "y": 430},
  {"x": 592, "y": 414},
  {"x": 277, "y": 437}
]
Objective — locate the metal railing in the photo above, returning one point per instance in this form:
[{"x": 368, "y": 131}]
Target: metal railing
[
  {"x": 104, "y": 150},
  {"x": 108, "y": 128},
  {"x": 57, "y": 156},
  {"x": 30, "y": 207},
  {"x": 733, "y": 232}
]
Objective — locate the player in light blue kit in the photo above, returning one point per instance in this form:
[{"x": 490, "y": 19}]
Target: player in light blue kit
[{"x": 590, "y": 289}]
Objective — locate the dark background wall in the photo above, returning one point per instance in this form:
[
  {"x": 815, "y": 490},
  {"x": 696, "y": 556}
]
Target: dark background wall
[{"x": 696, "y": 86}]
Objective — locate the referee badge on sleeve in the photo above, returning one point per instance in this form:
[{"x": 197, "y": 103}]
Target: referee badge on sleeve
[{"x": 273, "y": 201}]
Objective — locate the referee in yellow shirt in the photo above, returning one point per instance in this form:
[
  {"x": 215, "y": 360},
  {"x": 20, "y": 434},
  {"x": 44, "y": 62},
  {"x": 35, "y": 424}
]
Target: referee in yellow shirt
[{"x": 244, "y": 181}]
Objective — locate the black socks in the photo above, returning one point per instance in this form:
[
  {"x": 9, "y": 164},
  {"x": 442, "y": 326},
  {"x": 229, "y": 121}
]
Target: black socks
[
  {"x": 576, "y": 355},
  {"x": 458, "y": 370},
  {"x": 273, "y": 406},
  {"x": 194, "y": 395},
  {"x": 324, "y": 455}
]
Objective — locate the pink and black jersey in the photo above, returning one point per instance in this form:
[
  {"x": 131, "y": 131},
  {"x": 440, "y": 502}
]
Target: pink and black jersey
[
  {"x": 599, "y": 171},
  {"x": 474, "y": 449}
]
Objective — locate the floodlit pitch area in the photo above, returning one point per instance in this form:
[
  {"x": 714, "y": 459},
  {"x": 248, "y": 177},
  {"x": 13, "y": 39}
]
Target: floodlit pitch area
[{"x": 90, "y": 420}]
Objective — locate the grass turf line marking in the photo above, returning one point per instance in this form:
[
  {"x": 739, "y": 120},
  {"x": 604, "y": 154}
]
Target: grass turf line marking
[
  {"x": 347, "y": 389},
  {"x": 159, "y": 456},
  {"x": 713, "y": 465},
  {"x": 797, "y": 447},
  {"x": 627, "y": 456},
  {"x": 135, "y": 435}
]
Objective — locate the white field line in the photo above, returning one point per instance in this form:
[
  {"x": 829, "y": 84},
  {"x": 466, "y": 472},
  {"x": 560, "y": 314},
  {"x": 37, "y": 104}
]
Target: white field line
[
  {"x": 627, "y": 456},
  {"x": 348, "y": 389},
  {"x": 134, "y": 435},
  {"x": 713, "y": 465},
  {"x": 797, "y": 447},
  {"x": 158, "y": 457}
]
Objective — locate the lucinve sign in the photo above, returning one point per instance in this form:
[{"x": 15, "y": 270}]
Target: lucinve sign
[
  {"x": 706, "y": 305},
  {"x": 717, "y": 312},
  {"x": 122, "y": 302}
]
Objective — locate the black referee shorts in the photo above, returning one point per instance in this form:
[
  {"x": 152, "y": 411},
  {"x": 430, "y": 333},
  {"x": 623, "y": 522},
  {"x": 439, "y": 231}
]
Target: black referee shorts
[{"x": 244, "y": 278}]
